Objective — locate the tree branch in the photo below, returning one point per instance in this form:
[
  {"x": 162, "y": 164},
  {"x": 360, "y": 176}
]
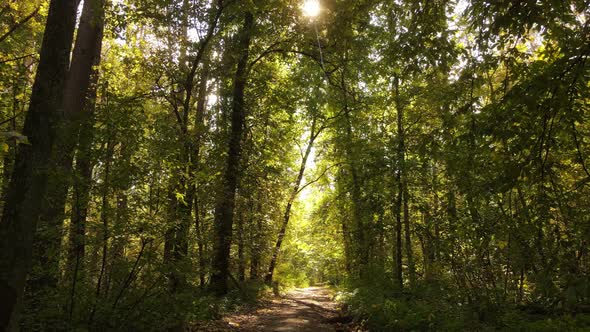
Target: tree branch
[
  {"x": 19, "y": 24},
  {"x": 17, "y": 58},
  {"x": 318, "y": 178}
]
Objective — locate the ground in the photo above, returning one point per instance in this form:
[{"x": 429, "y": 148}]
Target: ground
[{"x": 309, "y": 309}]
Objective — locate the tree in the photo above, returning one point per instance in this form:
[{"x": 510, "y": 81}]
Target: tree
[
  {"x": 28, "y": 185},
  {"x": 314, "y": 132},
  {"x": 224, "y": 210}
]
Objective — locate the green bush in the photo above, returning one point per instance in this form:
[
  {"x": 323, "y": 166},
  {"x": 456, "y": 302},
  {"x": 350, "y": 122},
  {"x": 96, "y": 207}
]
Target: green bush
[{"x": 380, "y": 307}]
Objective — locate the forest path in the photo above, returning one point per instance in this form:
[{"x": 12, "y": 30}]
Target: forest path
[{"x": 304, "y": 309}]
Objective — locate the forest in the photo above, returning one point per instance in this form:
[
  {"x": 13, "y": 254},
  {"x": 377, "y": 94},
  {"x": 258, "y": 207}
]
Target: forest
[{"x": 167, "y": 163}]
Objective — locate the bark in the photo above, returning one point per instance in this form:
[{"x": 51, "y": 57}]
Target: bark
[
  {"x": 359, "y": 243},
  {"x": 403, "y": 192},
  {"x": 314, "y": 133},
  {"x": 379, "y": 251},
  {"x": 185, "y": 207},
  {"x": 224, "y": 211},
  {"x": 200, "y": 244},
  {"x": 104, "y": 218},
  {"x": 117, "y": 262},
  {"x": 256, "y": 238},
  {"x": 86, "y": 54},
  {"x": 241, "y": 258},
  {"x": 398, "y": 234},
  {"x": 177, "y": 236},
  {"x": 196, "y": 165},
  {"x": 28, "y": 185},
  {"x": 436, "y": 254},
  {"x": 428, "y": 244},
  {"x": 408, "y": 237},
  {"x": 169, "y": 235},
  {"x": 82, "y": 184},
  {"x": 347, "y": 247},
  {"x": 359, "y": 258}
]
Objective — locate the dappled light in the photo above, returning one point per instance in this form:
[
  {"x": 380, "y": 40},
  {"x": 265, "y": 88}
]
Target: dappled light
[{"x": 301, "y": 165}]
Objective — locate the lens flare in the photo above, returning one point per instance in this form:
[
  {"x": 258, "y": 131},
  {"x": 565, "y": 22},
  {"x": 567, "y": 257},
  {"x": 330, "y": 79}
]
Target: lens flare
[{"x": 311, "y": 8}]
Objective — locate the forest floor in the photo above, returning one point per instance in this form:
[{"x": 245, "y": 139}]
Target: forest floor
[{"x": 302, "y": 310}]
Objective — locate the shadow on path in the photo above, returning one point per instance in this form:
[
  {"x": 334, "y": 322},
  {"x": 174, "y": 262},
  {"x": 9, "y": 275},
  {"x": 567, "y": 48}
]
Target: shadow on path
[{"x": 305, "y": 309}]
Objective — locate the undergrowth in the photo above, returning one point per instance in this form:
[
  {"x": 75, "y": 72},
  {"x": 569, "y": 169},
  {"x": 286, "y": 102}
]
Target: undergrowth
[{"x": 435, "y": 306}]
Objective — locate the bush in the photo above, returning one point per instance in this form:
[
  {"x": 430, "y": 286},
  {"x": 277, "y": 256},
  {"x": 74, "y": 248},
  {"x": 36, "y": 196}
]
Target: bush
[{"x": 380, "y": 307}]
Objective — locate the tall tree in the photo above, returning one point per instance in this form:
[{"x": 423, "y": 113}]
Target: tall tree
[
  {"x": 28, "y": 190},
  {"x": 314, "y": 132},
  {"x": 224, "y": 210},
  {"x": 85, "y": 59}
]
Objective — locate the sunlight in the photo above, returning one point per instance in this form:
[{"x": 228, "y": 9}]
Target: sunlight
[
  {"x": 311, "y": 8},
  {"x": 212, "y": 100}
]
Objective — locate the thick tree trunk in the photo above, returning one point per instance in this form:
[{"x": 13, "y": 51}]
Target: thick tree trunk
[
  {"x": 27, "y": 190},
  {"x": 224, "y": 211},
  {"x": 86, "y": 54}
]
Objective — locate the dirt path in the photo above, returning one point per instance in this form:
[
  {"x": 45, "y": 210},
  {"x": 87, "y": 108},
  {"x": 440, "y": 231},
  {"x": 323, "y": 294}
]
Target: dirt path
[{"x": 306, "y": 309}]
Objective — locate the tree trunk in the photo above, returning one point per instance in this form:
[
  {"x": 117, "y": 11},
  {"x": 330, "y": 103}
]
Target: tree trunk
[
  {"x": 196, "y": 165},
  {"x": 28, "y": 185},
  {"x": 403, "y": 193},
  {"x": 82, "y": 184},
  {"x": 314, "y": 133},
  {"x": 241, "y": 257},
  {"x": 400, "y": 189},
  {"x": 117, "y": 262},
  {"x": 224, "y": 211},
  {"x": 398, "y": 233},
  {"x": 101, "y": 283},
  {"x": 177, "y": 238},
  {"x": 408, "y": 238},
  {"x": 200, "y": 243},
  {"x": 86, "y": 54},
  {"x": 256, "y": 236}
]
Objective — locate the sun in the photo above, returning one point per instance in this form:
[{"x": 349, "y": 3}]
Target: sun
[{"x": 311, "y": 8}]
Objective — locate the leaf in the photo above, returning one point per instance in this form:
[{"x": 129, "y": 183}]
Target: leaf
[{"x": 180, "y": 198}]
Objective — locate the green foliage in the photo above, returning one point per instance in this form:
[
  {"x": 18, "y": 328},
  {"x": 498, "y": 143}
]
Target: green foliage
[
  {"x": 432, "y": 308},
  {"x": 465, "y": 122}
]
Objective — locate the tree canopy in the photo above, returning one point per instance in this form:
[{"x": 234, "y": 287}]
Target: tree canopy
[{"x": 165, "y": 160}]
